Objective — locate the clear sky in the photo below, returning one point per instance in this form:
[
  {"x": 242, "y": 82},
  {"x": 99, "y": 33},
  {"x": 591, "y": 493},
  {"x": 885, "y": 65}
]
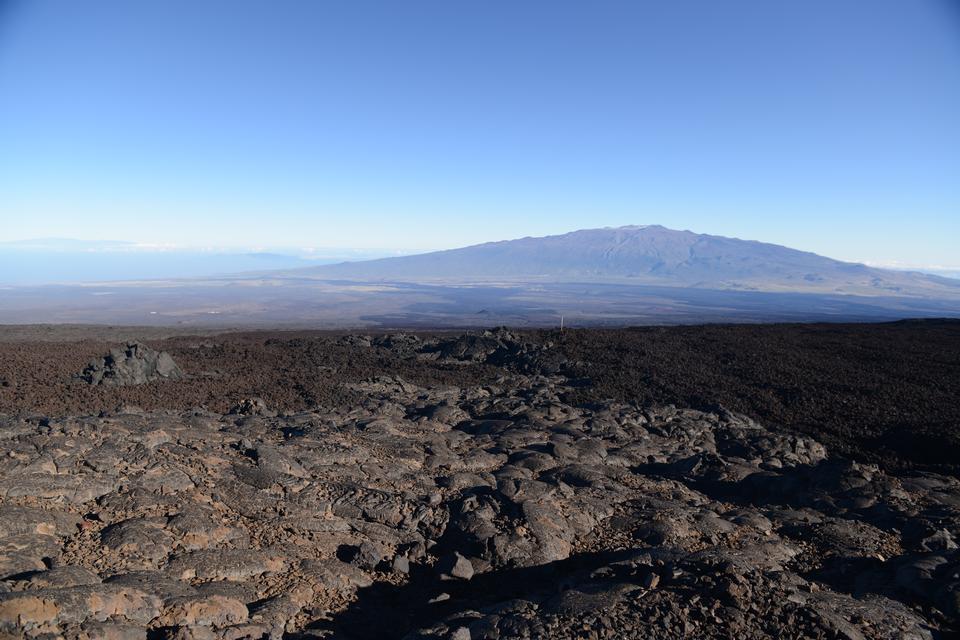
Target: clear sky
[{"x": 826, "y": 125}]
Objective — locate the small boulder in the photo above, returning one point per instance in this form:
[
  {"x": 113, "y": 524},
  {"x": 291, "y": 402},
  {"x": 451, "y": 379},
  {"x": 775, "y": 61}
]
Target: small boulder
[{"x": 455, "y": 567}]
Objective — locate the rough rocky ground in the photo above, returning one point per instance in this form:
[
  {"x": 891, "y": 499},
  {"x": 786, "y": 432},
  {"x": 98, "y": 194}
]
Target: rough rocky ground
[
  {"x": 879, "y": 393},
  {"x": 448, "y": 486}
]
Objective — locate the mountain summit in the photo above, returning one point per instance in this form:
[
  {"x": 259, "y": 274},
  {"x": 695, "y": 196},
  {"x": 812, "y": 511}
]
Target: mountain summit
[{"x": 649, "y": 255}]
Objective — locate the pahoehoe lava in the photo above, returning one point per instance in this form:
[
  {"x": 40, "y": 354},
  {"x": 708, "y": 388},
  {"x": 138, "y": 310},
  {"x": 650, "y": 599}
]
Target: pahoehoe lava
[{"x": 778, "y": 481}]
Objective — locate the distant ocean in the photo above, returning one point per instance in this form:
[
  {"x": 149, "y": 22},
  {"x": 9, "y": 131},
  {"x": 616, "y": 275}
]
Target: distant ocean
[{"x": 30, "y": 267}]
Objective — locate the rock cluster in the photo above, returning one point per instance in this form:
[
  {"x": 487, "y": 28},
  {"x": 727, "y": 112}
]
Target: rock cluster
[
  {"x": 484, "y": 512},
  {"x": 500, "y": 347},
  {"x": 134, "y": 363}
]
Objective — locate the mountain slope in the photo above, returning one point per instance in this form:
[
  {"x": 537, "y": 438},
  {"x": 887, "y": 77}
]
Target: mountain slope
[{"x": 651, "y": 255}]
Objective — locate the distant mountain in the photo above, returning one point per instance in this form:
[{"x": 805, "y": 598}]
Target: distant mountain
[
  {"x": 598, "y": 277},
  {"x": 648, "y": 255}
]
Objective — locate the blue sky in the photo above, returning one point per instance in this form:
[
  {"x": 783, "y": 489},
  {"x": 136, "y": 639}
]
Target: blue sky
[{"x": 826, "y": 125}]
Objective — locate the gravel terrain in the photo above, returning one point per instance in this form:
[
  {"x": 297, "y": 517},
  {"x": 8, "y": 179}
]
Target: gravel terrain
[{"x": 710, "y": 482}]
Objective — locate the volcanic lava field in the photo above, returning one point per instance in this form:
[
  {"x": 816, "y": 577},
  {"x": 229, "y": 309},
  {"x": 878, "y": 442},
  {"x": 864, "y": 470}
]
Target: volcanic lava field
[{"x": 728, "y": 481}]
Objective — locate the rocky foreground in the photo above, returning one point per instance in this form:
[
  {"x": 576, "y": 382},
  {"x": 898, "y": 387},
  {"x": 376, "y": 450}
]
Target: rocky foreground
[{"x": 493, "y": 510}]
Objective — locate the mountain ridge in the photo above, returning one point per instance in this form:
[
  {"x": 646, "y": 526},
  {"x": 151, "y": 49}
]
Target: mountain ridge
[{"x": 644, "y": 254}]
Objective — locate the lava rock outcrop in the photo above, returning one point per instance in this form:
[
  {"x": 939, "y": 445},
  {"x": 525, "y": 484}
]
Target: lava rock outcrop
[{"x": 134, "y": 363}]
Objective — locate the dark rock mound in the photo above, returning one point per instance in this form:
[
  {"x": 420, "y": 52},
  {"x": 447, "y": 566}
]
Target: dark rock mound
[
  {"x": 134, "y": 363},
  {"x": 251, "y": 407},
  {"x": 500, "y": 347}
]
